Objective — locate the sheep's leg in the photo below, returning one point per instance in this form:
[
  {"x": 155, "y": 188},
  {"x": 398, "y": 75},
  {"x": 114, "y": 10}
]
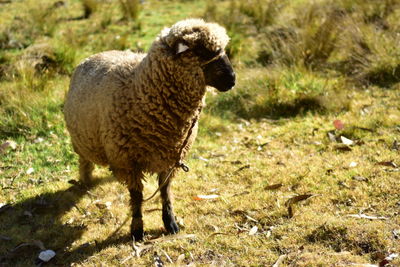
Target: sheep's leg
[
  {"x": 133, "y": 178},
  {"x": 136, "y": 207},
  {"x": 85, "y": 170},
  {"x": 168, "y": 216}
]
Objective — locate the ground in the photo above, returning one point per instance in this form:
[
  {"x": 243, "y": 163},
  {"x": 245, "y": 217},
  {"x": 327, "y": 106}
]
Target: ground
[{"x": 278, "y": 175}]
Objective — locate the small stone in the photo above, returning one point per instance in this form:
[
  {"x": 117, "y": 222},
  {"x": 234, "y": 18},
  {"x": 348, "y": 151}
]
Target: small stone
[{"x": 47, "y": 255}]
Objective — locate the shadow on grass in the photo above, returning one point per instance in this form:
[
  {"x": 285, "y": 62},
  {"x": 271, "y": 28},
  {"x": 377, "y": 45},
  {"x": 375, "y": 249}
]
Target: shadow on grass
[
  {"x": 39, "y": 219},
  {"x": 276, "y": 110},
  {"x": 271, "y": 109}
]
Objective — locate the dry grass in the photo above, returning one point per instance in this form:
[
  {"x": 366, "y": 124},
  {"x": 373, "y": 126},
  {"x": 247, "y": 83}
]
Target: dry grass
[
  {"x": 287, "y": 186},
  {"x": 238, "y": 161},
  {"x": 358, "y": 39}
]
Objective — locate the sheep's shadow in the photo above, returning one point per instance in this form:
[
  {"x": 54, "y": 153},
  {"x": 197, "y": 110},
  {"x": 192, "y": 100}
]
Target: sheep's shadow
[{"x": 39, "y": 218}]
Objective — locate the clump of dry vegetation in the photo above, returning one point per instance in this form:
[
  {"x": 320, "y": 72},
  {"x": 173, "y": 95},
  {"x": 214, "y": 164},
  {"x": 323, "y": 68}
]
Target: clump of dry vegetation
[
  {"x": 297, "y": 166},
  {"x": 319, "y": 35}
]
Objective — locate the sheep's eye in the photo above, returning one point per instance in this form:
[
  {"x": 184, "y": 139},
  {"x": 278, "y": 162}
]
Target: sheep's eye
[{"x": 205, "y": 54}]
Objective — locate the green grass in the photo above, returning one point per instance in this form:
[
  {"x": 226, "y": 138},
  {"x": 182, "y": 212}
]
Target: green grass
[{"x": 300, "y": 64}]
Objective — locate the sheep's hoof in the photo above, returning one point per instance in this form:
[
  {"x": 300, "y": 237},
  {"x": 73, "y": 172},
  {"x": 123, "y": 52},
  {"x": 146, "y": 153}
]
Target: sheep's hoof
[
  {"x": 137, "y": 234},
  {"x": 170, "y": 225}
]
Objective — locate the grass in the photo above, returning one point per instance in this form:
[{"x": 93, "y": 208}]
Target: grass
[{"x": 261, "y": 147}]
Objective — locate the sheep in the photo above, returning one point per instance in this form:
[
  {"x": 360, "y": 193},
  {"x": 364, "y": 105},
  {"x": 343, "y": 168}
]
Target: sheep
[{"x": 138, "y": 113}]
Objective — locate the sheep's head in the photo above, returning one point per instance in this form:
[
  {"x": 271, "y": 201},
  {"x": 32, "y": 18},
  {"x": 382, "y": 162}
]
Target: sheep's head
[{"x": 206, "y": 42}]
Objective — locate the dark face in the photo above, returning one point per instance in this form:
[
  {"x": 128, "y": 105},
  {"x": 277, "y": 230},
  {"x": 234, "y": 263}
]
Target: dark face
[{"x": 219, "y": 74}]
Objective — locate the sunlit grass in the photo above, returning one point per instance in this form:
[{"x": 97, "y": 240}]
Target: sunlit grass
[{"x": 259, "y": 145}]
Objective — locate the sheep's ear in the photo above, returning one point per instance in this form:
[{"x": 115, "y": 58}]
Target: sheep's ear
[{"x": 181, "y": 48}]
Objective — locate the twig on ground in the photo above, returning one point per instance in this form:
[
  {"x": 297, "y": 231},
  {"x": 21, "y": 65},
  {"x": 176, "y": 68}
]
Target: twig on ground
[{"x": 279, "y": 260}]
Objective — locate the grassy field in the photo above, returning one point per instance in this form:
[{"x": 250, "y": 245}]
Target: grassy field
[{"x": 302, "y": 156}]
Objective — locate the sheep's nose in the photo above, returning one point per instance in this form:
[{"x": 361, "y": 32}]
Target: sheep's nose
[{"x": 232, "y": 81}]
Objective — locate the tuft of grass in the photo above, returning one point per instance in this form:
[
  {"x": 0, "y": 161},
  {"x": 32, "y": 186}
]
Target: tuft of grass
[
  {"x": 31, "y": 106},
  {"x": 130, "y": 9},
  {"x": 267, "y": 93}
]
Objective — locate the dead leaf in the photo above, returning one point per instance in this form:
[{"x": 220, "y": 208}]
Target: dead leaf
[
  {"x": 360, "y": 178},
  {"x": 353, "y": 164},
  {"x": 242, "y": 168},
  {"x": 212, "y": 227},
  {"x": 329, "y": 171},
  {"x": 294, "y": 200},
  {"x": 7, "y": 144},
  {"x": 388, "y": 259},
  {"x": 205, "y": 197},
  {"x": 298, "y": 198},
  {"x": 101, "y": 206},
  {"x": 359, "y": 142},
  {"x": 364, "y": 216},
  {"x": 30, "y": 171},
  {"x": 346, "y": 141},
  {"x": 253, "y": 230},
  {"x": 106, "y": 205},
  {"x": 342, "y": 147},
  {"x": 341, "y": 183},
  {"x": 290, "y": 211},
  {"x": 38, "y": 140},
  {"x": 388, "y": 164},
  {"x": 273, "y": 187},
  {"x": 339, "y": 125},
  {"x": 218, "y": 233},
  {"x": 332, "y": 137}
]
